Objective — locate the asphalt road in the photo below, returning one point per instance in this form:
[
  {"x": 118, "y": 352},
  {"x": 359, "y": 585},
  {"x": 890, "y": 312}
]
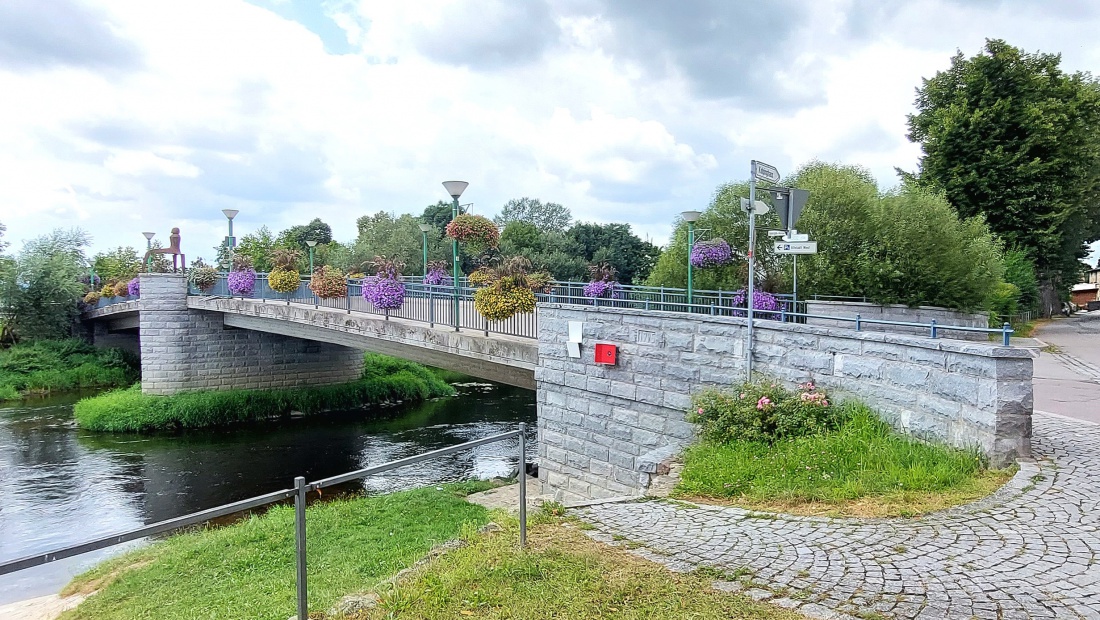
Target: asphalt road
[{"x": 1067, "y": 374}]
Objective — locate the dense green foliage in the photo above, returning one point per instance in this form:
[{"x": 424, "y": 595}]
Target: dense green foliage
[
  {"x": 1010, "y": 136},
  {"x": 546, "y": 217},
  {"x": 57, "y": 365},
  {"x": 384, "y": 379},
  {"x": 863, "y": 458},
  {"x": 247, "y": 569},
  {"x": 40, "y": 287},
  {"x": 1020, "y": 272},
  {"x": 764, "y": 412},
  {"x": 618, "y": 246},
  {"x": 904, "y": 247}
]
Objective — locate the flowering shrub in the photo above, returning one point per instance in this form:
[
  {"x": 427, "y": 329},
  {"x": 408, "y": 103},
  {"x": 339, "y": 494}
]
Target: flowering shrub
[
  {"x": 477, "y": 233},
  {"x": 482, "y": 277},
  {"x": 504, "y": 299},
  {"x": 713, "y": 253},
  {"x": 91, "y": 298},
  {"x": 603, "y": 282},
  {"x": 764, "y": 412},
  {"x": 134, "y": 287},
  {"x": 241, "y": 282},
  {"x": 108, "y": 290},
  {"x": 437, "y": 273},
  {"x": 204, "y": 278},
  {"x": 328, "y": 283},
  {"x": 760, "y": 301}
]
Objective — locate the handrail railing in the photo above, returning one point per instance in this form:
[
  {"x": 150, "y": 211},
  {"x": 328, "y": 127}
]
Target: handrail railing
[{"x": 298, "y": 492}]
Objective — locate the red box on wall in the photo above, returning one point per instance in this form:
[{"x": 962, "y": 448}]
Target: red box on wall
[{"x": 606, "y": 354}]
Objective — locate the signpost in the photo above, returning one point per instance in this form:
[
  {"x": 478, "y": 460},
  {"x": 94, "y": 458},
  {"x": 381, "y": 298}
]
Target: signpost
[
  {"x": 764, "y": 172},
  {"x": 804, "y": 247},
  {"x": 777, "y": 233},
  {"x": 794, "y": 235}
]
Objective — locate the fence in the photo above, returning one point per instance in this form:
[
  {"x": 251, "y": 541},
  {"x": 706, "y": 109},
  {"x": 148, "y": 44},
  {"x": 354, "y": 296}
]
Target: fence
[{"x": 298, "y": 492}]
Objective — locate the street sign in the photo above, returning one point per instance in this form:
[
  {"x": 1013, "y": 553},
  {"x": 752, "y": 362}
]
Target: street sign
[
  {"x": 765, "y": 172},
  {"x": 805, "y": 247},
  {"x": 761, "y": 207},
  {"x": 777, "y": 233},
  {"x": 796, "y": 236},
  {"x": 789, "y": 204}
]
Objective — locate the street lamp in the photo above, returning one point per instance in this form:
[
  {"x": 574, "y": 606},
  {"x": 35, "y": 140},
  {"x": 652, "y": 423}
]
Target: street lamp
[
  {"x": 230, "y": 242},
  {"x": 148, "y": 246},
  {"x": 311, "y": 243},
  {"x": 455, "y": 189},
  {"x": 690, "y": 217},
  {"x": 424, "y": 228}
]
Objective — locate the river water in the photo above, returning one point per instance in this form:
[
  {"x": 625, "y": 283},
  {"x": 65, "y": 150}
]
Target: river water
[{"x": 61, "y": 486}]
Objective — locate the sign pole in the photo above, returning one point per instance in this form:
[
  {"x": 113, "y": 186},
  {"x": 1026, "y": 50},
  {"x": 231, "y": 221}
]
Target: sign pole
[
  {"x": 752, "y": 265},
  {"x": 795, "y": 256}
]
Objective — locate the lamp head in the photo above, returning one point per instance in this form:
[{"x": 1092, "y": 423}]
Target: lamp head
[
  {"x": 425, "y": 228},
  {"x": 311, "y": 243},
  {"x": 230, "y": 213},
  {"x": 455, "y": 188},
  {"x": 149, "y": 236},
  {"x": 691, "y": 216}
]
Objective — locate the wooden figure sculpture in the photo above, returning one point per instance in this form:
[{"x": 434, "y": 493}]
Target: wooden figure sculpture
[{"x": 173, "y": 249}]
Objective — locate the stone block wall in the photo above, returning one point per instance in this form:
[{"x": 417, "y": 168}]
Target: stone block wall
[
  {"x": 184, "y": 349},
  {"x": 600, "y": 427},
  {"x": 900, "y": 313}
]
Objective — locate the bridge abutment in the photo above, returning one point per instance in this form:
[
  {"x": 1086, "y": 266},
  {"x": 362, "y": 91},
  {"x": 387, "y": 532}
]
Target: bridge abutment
[{"x": 186, "y": 349}]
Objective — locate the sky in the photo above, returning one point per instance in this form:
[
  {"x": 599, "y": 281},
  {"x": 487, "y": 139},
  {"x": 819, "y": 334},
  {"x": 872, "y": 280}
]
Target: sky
[{"x": 128, "y": 116}]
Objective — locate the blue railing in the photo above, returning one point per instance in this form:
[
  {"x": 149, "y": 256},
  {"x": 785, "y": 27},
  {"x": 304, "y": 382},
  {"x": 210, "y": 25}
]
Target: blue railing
[{"x": 434, "y": 304}]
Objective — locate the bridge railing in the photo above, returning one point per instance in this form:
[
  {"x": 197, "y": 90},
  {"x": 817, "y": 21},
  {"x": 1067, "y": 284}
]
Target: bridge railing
[{"x": 434, "y": 304}]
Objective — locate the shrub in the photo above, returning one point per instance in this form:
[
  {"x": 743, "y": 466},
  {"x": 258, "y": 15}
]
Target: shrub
[
  {"x": 763, "y": 412},
  {"x": 204, "y": 278},
  {"x": 134, "y": 287},
  {"x": 1003, "y": 302},
  {"x": 715, "y": 253},
  {"x": 56, "y": 365},
  {"x": 329, "y": 283},
  {"x": 92, "y": 298},
  {"x": 108, "y": 291},
  {"x": 475, "y": 232}
]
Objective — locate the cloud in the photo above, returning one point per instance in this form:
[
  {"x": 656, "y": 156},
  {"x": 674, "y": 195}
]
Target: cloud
[
  {"x": 39, "y": 35},
  {"x": 489, "y": 34}
]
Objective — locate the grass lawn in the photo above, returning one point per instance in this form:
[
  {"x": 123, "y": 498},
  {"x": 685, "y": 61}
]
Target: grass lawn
[
  {"x": 863, "y": 469},
  {"x": 562, "y": 574},
  {"x": 246, "y": 570}
]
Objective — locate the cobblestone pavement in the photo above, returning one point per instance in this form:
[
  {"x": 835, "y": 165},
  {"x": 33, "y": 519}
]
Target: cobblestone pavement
[{"x": 1028, "y": 551}]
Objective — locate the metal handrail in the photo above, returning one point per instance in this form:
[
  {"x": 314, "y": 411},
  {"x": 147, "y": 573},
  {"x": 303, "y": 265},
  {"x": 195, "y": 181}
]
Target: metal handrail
[{"x": 301, "y": 488}]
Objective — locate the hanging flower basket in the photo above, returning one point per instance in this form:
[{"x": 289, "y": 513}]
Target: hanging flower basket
[
  {"x": 437, "y": 274},
  {"x": 204, "y": 278},
  {"x": 714, "y": 253},
  {"x": 475, "y": 232},
  {"x": 241, "y": 282},
  {"x": 768, "y": 304},
  {"x": 503, "y": 299},
  {"x": 91, "y": 298},
  {"x": 329, "y": 283},
  {"x": 134, "y": 287},
  {"x": 384, "y": 293},
  {"x": 284, "y": 280},
  {"x": 603, "y": 284}
]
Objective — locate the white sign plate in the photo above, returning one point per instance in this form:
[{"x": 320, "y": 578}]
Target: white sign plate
[
  {"x": 761, "y": 207},
  {"x": 796, "y": 237},
  {"x": 804, "y": 247},
  {"x": 777, "y": 233},
  {"x": 765, "y": 172}
]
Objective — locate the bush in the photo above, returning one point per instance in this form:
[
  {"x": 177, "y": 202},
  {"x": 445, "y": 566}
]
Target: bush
[
  {"x": 1020, "y": 271},
  {"x": 384, "y": 379},
  {"x": 1003, "y": 303},
  {"x": 108, "y": 291},
  {"x": 58, "y": 365},
  {"x": 329, "y": 283},
  {"x": 764, "y": 412}
]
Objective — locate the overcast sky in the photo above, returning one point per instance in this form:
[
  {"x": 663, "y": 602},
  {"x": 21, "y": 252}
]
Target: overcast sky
[{"x": 125, "y": 116}]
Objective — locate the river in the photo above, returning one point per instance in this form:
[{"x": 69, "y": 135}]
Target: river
[{"x": 60, "y": 485}]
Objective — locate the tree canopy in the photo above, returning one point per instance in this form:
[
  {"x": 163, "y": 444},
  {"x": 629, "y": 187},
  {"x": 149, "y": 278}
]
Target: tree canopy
[
  {"x": 39, "y": 288},
  {"x": 545, "y": 216},
  {"x": 1010, "y": 136}
]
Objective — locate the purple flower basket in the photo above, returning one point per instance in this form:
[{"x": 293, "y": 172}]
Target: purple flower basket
[
  {"x": 603, "y": 289},
  {"x": 134, "y": 287},
  {"x": 767, "y": 303},
  {"x": 437, "y": 277},
  {"x": 714, "y": 253},
  {"x": 384, "y": 293},
  {"x": 241, "y": 282}
]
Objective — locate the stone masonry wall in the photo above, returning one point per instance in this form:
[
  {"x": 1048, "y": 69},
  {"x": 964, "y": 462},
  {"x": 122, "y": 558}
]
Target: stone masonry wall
[
  {"x": 184, "y": 349},
  {"x": 603, "y": 429},
  {"x": 897, "y": 312}
]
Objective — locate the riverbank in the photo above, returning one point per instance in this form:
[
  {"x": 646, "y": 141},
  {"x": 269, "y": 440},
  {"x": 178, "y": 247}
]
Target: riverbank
[
  {"x": 384, "y": 379},
  {"x": 51, "y": 366}
]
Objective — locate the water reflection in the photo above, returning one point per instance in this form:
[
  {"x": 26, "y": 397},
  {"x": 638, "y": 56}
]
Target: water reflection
[{"x": 64, "y": 486}]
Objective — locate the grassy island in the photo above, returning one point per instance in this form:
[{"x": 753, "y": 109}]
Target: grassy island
[
  {"x": 384, "y": 379},
  {"x": 47, "y": 366}
]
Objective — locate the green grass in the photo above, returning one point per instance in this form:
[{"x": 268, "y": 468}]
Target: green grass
[
  {"x": 561, "y": 574},
  {"x": 384, "y": 379},
  {"x": 246, "y": 570},
  {"x": 862, "y": 469},
  {"x": 60, "y": 365}
]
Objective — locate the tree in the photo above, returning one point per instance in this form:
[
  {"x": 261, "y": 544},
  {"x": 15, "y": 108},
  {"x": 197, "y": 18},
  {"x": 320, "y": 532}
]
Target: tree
[
  {"x": 554, "y": 252},
  {"x": 39, "y": 289},
  {"x": 1010, "y": 136},
  {"x": 382, "y": 234},
  {"x": 296, "y": 236},
  {"x": 438, "y": 216},
  {"x": 121, "y": 263},
  {"x": 258, "y": 247},
  {"x": 547, "y": 217},
  {"x": 617, "y": 245}
]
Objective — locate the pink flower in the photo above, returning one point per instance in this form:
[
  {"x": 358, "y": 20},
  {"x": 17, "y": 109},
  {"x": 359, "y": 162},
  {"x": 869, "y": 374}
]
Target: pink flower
[
  {"x": 700, "y": 410},
  {"x": 742, "y": 395},
  {"x": 763, "y": 403}
]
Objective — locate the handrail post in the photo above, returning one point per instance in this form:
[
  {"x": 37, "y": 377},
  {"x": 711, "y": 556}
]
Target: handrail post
[
  {"x": 300, "y": 545},
  {"x": 1006, "y": 330},
  {"x": 859, "y": 319},
  {"x": 933, "y": 328},
  {"x": 522, "y": 485},
  {"x": 431, "y": 308},
  {"x": 347, "y": 297}
]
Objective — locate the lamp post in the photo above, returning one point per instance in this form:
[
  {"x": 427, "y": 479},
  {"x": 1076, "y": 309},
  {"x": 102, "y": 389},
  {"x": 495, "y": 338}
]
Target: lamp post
[
  {"x": 690, "y": 217},
  {"x": 311, "y": 243},
  {"x": 424, "y": 228},
  {"x": 148, "y": 246},
  {"x": 230, "y": 242},
  {"x": 455, "y": 189}
]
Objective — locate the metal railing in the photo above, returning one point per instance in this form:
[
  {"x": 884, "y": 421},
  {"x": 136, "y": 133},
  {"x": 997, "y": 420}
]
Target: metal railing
[
  {"x": 298, "y": 492},
  {"x": 433, "y": 304}
]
